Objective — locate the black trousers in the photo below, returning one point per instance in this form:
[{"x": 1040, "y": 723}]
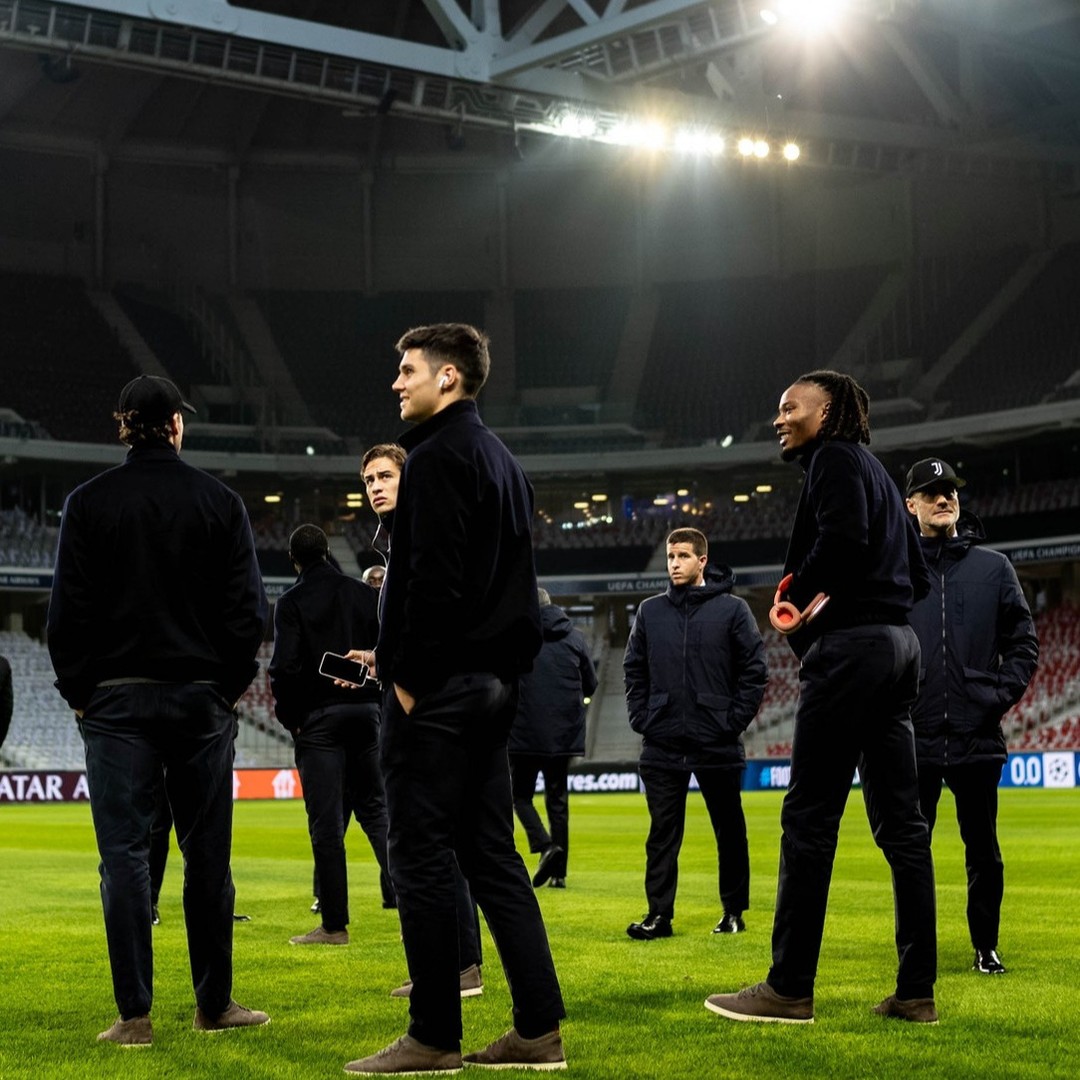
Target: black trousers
[
  {"x": 856, "y": 687},
  {"x": 975, "y": 788},
  {"x": 448, "y": 793},
  {"x": 524, "y": 769},
  {"x": 337, "y": 755},
  {"x": 665, "y": 795},
  {"x": 130, "y": 733}
]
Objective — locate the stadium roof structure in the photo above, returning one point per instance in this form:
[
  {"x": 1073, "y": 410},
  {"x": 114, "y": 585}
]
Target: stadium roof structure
[{"x": 950, "y": 87}]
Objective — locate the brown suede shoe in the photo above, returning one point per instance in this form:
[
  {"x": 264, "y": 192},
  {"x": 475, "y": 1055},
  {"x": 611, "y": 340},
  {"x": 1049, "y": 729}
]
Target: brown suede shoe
[
  {"x": 321, "y": 936},
  {"x": 235, "y": 1016},
  {"x": 762, "y": 1003},
  {"x": 917, "y": 1010},
  {"x": 406, "y": 1057},
  {"x": 513, "y": 1051},
  {"x": 130, "y": 1034}
]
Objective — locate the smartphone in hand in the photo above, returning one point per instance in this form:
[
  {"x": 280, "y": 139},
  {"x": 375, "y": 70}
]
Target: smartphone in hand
[{"x": 341, "y": 668}]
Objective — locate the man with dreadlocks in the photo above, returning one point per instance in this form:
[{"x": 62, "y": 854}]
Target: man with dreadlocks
[{"x": 853, "y": 543}]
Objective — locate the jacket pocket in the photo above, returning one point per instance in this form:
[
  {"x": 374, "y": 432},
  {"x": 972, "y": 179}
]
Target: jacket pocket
[
  {"x": 713, "y": 717},
  {"x": 654, "y": 714}
]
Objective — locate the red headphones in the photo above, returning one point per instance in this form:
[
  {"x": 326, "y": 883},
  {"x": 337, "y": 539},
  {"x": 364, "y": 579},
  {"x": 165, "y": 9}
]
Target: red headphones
[{"x": 785, "y": 616}]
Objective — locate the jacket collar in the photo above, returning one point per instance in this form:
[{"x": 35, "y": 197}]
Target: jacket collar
[
  {"x": 153, "y": 451},
  {"x": 463, "y": 411}
]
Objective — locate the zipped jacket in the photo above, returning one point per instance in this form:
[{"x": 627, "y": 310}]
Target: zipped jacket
[
  {"x": 695, "y": 674},
  {"x": 979, "y": 650}
]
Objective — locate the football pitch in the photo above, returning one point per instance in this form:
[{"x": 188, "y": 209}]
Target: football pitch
[{"x": 634, "y": 1008}]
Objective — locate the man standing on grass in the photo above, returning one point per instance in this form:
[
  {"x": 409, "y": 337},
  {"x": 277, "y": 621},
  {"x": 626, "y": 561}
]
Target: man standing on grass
[
  {"x": 695, "y": 676},
  {"x": 852, "y": 542},
  {"x": 979, "y": 653},
  {"x": 460, "y": 624},
  {"x": 156, "y": 613}
]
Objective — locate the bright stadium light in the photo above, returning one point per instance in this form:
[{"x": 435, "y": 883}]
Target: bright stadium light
[
  {"x": 271, "y": 498},
  {"x": 791, "y": 151},
  {"x": 647, "y": 136},
  {"x": 746, "y": 147},
  {"x": 741, "y": 498},
  {"x": 761, "y": 149},
  {"x": 576, "y": 125},
  {"x": 727, "y": 441},
  {"x": 811, "y": 16},
  {"x": 698, "y": 142},
  {"x": 581, "y": 506},
  {"x": 763, "y": 489}
]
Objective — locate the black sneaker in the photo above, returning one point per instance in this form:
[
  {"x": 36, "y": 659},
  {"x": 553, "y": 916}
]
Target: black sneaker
[
  {"x": 988, "y": 962},
  {"x": 155, "y": 918},
  {"x": 652, "y": 926},
  {"x": 731, "y": 923},
  {"x": 557, "y": 883}
]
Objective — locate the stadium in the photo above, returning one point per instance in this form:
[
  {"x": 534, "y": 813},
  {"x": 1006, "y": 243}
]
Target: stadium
[{"x": 662, "y": 211}]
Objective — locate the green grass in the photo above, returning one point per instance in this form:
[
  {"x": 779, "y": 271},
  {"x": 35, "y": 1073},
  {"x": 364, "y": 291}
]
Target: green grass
[{"x": 635, "y": 1008}]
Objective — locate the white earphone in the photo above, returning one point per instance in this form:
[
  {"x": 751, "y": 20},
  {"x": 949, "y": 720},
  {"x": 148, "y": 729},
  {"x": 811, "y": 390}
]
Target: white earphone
[{"x": 442, "y": 382}]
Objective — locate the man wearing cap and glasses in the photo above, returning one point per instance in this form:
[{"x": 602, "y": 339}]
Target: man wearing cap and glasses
[
  {"x": 156, "y": 613},
  {"x": 979, "y": 652}
]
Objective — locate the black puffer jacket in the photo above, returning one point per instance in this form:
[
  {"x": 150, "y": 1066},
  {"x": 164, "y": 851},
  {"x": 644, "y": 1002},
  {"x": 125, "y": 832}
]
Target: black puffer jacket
[
  {"x": 550, "y": 718},
  {"x": 979, "y": 649},
  {"x": 695, "y": 674}
]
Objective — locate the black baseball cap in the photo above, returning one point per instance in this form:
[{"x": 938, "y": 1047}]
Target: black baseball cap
[
  {"x": 152, "y": 400},
  {"x": 927, "y": 473}
]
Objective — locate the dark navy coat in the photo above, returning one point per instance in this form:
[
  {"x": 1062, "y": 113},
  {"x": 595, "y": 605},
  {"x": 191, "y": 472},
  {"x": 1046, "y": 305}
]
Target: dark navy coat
[
  {"x": 979, "y": 652},
  {"x": 550, "y": 719},
  {"x": 695, "y": 674}
]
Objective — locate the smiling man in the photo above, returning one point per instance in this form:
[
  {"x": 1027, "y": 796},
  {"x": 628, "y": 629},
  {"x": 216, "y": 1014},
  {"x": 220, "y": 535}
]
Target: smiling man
[
  {"x": 460, "y": 623},
  {"x": 979, "y": 652},
  {"x": 858, "y": 677}
]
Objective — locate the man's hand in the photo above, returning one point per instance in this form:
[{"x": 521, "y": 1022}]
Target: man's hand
[
  {"x": 364, "y": 656},
  {"x": 405, "y": 699}
]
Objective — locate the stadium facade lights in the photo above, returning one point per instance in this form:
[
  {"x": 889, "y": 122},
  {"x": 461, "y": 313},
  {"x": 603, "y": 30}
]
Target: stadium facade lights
[
  {"x": 683, "y": 492},
  {"x": 761, "y": 149},
  {"x": 273, "y": 498},
  {"x": 599, "y": 497},
  {"x": 582, "y": 505},
  {"x": 661, "y": 500},
  {"x": 309, "y": 450},
  {"x": 741, "y": 498},
  {"x": 727, "y": 440},
  {"x": 791, "y": 151},
  {"x": 763, "y": 489},
  {"x": 745, "y": 146}
]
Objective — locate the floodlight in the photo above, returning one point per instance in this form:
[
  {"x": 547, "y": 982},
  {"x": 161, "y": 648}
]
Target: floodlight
[
  {"x": 745, "y": 147},
  {"x": 727, "y": 441},
  {"x": 791, "y": 151},
  {"x": 741, "y": 498},
  {"x": 761, "y": 149},
  {"x": 271, "y": 498}
]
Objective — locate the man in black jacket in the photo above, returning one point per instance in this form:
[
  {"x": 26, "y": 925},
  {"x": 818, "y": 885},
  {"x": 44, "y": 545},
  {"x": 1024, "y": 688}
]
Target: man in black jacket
[
  {"x": 853, "y": 542},
  {"x": 979, "y": 652},
  {"x": 156, "y": 613},
  {"x": 548, "y": 731},
  {"x": 695, "y": 676},
  {"x": 336, "y": 729},
  {"x": 460, "y": 624}
]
